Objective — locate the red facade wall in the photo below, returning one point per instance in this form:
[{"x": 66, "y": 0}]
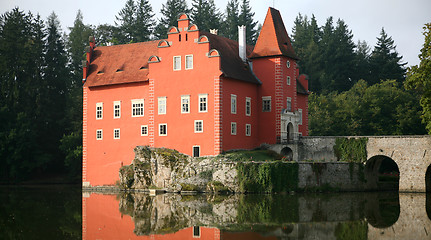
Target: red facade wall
[{"x": 106, "y": 156}]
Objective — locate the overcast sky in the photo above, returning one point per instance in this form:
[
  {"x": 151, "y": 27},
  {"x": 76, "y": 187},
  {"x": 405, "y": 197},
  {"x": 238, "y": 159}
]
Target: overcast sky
[{"x": 403, "y": 20}]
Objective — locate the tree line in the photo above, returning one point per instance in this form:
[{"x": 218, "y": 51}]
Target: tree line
[{"x": 41, "y": 73}]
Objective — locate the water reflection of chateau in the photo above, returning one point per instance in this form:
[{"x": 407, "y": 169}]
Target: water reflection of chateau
[{"x": 343, "y": 216}]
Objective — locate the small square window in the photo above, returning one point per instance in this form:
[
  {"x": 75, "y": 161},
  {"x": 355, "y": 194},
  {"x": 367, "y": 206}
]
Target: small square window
[
  {"x": 233, "y": 128},
  {"x": 233, "y": 104},
  {"x": 163, "y": 129},
  {"x": 189, "y": 62},
  {"x": 117, "y": 133},
  {"x": 185, "y": 104},
  {"x": 199, "y": 126},
  {"x": 248, "y": 129},
  {"x": 203, "y": 102},
  {"x": 144, "y": 130},
  {"x": 162, "y": 105},
  {"x": 266, "y": 104},
  {"x": 117, "y": 109},
  {"x": 99, "y": 134},
  {"x": 177, "y": 63},
  {"x": 99, "y": 110}
]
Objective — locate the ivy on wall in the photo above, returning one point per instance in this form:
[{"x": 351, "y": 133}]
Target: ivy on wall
[
  {"x": 351, "y": 149},
  {"x": 267, "y": 177}
]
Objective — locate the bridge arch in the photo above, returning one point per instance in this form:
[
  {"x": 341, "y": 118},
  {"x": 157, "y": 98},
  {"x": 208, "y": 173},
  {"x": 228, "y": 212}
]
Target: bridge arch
[
  {"x": 382, "y": 173},
  {"x": 383, "y": 210},
  {"x": 288, "y": 153}
]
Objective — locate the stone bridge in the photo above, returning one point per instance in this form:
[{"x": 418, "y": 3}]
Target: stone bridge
[{"x": 408, "y": 156}]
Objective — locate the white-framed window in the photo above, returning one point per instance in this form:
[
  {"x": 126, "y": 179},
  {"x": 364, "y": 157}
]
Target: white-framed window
[
  {"x": 300, "y": 116},
  {"x": 99, "y": 134},
  {"x": 248, "y": 129},
  {"x": 185, "y": 104},
  {"x": 196, "y": 229},
  {"x": 289, "y": 104},
  {"x": 203, "y": 102},
  {"x": 162, "y": 105},
  {"x": 266, "y": 104},
  {"x": 233, "y": 103},
  {"x": 199, "y": 126},
  {"x": 144, "y": 130},
  {"x": 288, "y": 80},
  {"x": 117, "y": 133},
  {"x": 177, "y": 63},
  {"x": 137, "y": 107},
  {"x": 288, "y": 64},
  {"x": 117, "y": 109},
  {"x": 99, "y": 110},
  {"x": 189, "y": 62},
  {"x": 247, "y": 106},
  {"x": 163, "y": 129},
  {"x": 233, "y": 128}
]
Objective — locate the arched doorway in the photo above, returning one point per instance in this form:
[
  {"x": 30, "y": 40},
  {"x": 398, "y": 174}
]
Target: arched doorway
[
  {"x": 287, "y": 153},
  {"x": 382, "y": 173},
  {"x": 290, "y": 132}
]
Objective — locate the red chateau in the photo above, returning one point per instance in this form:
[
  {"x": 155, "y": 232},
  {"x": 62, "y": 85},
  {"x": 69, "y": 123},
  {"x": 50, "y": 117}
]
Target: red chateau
[{"x": 196, "y": 92}]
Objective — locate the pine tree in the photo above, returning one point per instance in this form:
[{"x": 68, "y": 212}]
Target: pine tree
[
  {"x": 362, "y": 61},
  {"x": 53, "y": 95},
  {"x": 170, "y": 13},
  {"x": 144, "y": 23},
  {"x": 230, "y": 29},
  {"x": 76, "y": 43},
  {"x": 205, "y": 15},
  {"x": 385, "y": 63},
  {"x": 126, "y": 22},
  {"x": 246, "y": 19}
]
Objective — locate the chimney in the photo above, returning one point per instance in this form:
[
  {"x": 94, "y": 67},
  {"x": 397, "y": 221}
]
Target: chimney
[{"x": 242, "y": 46}]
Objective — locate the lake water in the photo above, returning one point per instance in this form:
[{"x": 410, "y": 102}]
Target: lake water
[{"x": 66, "y": 213}]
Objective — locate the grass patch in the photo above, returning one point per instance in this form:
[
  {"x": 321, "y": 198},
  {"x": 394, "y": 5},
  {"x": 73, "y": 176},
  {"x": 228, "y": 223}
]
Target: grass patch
[{"x": 253, "y": 155}]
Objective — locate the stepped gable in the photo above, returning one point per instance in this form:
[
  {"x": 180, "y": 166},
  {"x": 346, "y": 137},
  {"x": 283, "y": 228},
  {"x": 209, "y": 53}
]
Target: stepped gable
[
  {"x": 127, "y": 63},
  {"x": 231, "y": 64},
  {"x": 273, "y": 39}
]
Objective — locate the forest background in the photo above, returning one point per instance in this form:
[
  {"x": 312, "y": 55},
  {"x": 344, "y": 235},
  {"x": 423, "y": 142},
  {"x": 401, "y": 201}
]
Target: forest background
[{"x": 355, "y": 89}]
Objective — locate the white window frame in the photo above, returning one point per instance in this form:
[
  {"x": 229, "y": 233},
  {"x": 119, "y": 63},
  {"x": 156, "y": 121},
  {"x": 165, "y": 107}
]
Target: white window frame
[
  {"x": 136, "y": 108},
  {"x": 233, "y": 128},
  {"x": 185, "y": 97},
  {"x": 161, "y": 105},
  {"x": 146, "y": 130},
  {"x": 203, "y": 96},
  {"x": 176, "y": 67},
  {"x": 288, "y": 80},
  {"x": 266, "y": 98},
  {"x": 115, "y": 131},
  {"x": 233, "y": 104},
  {"x": 289, "y": 104},
  {"x": 248, "y": 106},
  {"x": 288, "y": 64},
  {"x": 187, "y": 66},
  {"x": 300, "y": 116},
  {"x": 197, "y": 130},
  {"x": 248, "y": 130},
  {"x": 101, "y": 134},
  {"x": 117, "y": 103},
  {"x": 166, "y": 129},
  {"x": 99, "y": 105}
]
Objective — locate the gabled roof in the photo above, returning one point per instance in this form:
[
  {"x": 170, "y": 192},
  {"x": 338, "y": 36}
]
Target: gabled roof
[
  {"x": 120, "y": 63},
  {"x": 231, "y": 64},
  {"x": 300, "y": 88},
  {"x": 273, "y": 39}
]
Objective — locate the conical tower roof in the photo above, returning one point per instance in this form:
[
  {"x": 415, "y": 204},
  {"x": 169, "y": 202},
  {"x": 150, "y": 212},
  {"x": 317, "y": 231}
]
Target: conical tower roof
[{"x": 273, "y": 39}]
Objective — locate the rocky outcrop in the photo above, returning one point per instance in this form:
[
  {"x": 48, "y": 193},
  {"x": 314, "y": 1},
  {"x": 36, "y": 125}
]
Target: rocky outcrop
[{"x": 161, "y": 168}]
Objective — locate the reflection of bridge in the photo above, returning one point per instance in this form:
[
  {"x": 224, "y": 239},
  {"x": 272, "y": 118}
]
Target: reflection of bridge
[{"x": 412, "y": 155}]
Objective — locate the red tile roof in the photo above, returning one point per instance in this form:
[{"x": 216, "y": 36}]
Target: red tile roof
[
  {"x": 120, "y": 63},
  {"x": 231, "y": 64},
  {"x": 273, "y": 39}
]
